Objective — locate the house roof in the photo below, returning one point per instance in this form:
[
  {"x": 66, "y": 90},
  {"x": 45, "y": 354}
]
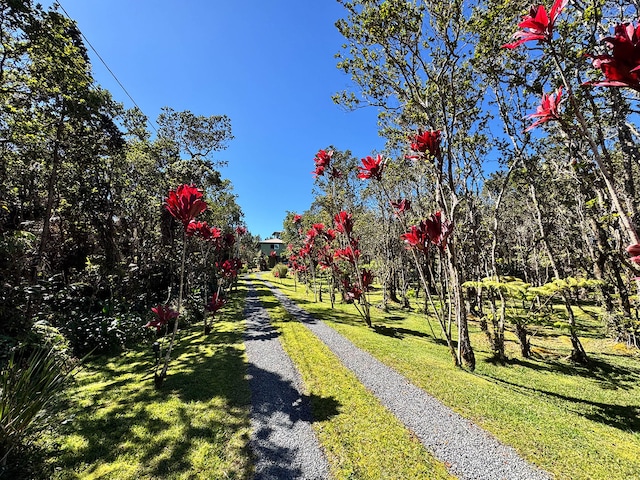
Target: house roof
[{"x": 272, "y": 240}]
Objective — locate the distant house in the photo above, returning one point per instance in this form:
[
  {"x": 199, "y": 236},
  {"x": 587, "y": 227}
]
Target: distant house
[{"x": 272, "y": 248}]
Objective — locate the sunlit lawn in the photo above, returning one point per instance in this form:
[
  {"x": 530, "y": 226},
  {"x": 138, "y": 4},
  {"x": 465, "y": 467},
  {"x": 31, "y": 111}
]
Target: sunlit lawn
[
  {"x": 576, "y": 422},
  {"x": 118, "y": 426}
]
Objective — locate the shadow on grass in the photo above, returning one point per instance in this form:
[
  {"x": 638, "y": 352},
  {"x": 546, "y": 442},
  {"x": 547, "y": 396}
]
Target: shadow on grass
[
  {"x": 608, "y": 375},
  {"x": 623, "y": 417},
  {"x": 337, "y": 316},
  {"x": 400, "y": 333},
  {"x": 122, "y": 423}
]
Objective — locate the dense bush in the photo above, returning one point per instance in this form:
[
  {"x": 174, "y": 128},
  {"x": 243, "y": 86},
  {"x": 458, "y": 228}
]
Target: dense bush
[
  {"x": 101, "y": 333},
  {"x": 280, "y": 270}
]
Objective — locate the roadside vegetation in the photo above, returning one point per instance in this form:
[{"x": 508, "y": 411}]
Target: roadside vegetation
[
  {"x": 114, "y": 424},
  {"x": 573, "y": 421}
]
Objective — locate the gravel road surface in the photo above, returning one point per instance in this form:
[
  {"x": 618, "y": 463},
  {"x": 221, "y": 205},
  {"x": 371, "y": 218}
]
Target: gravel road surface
[
  {"x": 282, "y": 439},
  {"x": 469, "y": 452}
]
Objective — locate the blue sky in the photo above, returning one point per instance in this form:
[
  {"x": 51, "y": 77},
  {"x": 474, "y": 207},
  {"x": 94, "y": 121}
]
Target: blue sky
[{"x": 268, "y": 65}]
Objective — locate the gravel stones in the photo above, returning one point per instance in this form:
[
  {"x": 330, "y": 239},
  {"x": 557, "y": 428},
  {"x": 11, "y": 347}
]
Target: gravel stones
[
  {"x": 468, "y": 451},
  {"x": 282, "y": 439}
]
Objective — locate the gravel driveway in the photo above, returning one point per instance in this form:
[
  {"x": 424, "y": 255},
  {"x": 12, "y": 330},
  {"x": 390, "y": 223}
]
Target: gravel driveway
[
  {"x": 282, "y": 439},
  {"x": 467, "y": 450}
]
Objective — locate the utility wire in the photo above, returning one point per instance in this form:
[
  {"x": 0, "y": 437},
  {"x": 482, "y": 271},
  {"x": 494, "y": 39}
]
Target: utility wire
[{"x": 57, "y": 2}]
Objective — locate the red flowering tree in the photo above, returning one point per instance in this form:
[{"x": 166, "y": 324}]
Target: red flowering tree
[
  {"x": 422, "y": 239},
  {"x": 620, "y": 69},
  {"x": 215, "y": 304},
  {"x": 618, "y": 65},
  {"x": 163, "y": 314},
  {"x": 311, "y": 249},
  {"x": 217, "y": 250},
  {"x": 355, "y": 280},
  {"x": 184, "y": 204},
  {"x": 335, "y": 179}
]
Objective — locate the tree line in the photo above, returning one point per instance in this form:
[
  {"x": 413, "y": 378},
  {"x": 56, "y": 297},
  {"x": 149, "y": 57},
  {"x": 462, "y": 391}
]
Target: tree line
[
  {"x": 86, "y": 246},
  {"x": 511, "y": 130}
]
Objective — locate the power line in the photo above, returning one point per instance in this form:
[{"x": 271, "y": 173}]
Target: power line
[{"x": 57, "y": 2}]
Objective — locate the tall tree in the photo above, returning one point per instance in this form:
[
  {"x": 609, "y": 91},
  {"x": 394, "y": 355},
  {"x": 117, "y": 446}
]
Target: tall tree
[{"x": 410, "y": 59}]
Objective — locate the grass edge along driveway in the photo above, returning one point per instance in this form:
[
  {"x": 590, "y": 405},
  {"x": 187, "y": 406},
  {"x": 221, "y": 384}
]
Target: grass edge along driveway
[
  {"x": 118, "y": 426},
  {"x": 361, "y": 438},
  {"x": 573, "y": 422}
]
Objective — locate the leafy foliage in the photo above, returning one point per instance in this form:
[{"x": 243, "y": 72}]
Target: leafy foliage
[
  {"x": 280, "y": 270},
  {"x": 29, "y": 382}
]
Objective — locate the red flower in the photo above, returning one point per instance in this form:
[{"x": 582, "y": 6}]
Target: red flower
[
  {"x": 240, "y": 230},
  {"x": 437, "y": 230},
  {"x": 215, "y": 304},
  {"x": 349, "y": 254},
  {"x": 273, "y": 254},
  {"x": 325, "y": 259},
  {"x": 229, "y": 240},
  {"x": 634, "y": 251},
  {"x": 330, "y": 235},
  {"x": 352, "y": 292},
  {"x": 163, "y": 314},
  {"x": 433, "y": 230},
  {"x": 423, "y": 142},
  {"x": 216, "y": 232},
  {"x": 621, "y": 69},
  {"x": 367, "y": 278},
  {"x": 315, "y": 230},
  {"x": 344, "y": 222},
  {"x": 547, "y": 110},
  {"x": 372, "y": 168},
  {"x": 417, "y": 237},
  {"x": 400, "y": 206},
  {"x": 215, "y": 237},
  {"x": 297, "y": 219},
  {"x": 537, "y": 25},
  {"x": 185, "y": 203},
  {"x": 305, "y": 250},
  {"x": 229, "y": 268},
  {"x": 322, "y": 161},
  {"x": 199, "y": 229}
]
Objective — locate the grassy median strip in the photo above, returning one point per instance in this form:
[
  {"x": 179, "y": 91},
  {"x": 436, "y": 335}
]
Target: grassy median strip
[
  {"x": 362, "y": 439},
  {"x": 118, "y": 426},
  {"x": 575, "y": 422}
]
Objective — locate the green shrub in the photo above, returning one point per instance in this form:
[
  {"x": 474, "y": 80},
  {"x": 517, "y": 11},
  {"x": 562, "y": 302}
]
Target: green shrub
[
  {"x": 280, "y": 270},
  {"x": 102, "y": 333}
]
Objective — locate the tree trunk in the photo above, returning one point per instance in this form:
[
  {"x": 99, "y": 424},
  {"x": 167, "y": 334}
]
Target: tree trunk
[
  {"x": 465, "y": 351},
  {"x": 56, "y": 161},
  {"x": 578, "y": 353},
  {"x": 523, "y": 340}
]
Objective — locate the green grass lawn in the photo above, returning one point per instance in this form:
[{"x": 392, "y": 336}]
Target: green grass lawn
[
  {"x": 118, "y": 426},
  {"x": 575, "y": 422}
]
